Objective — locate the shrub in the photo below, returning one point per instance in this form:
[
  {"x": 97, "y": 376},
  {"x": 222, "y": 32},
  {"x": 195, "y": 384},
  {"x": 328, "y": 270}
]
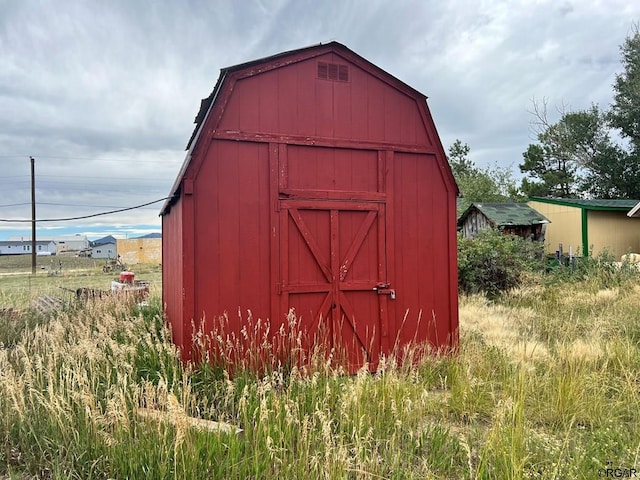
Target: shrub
[
  {"x": 492, "y": 263},
  {"x": 602, "y": 270}
]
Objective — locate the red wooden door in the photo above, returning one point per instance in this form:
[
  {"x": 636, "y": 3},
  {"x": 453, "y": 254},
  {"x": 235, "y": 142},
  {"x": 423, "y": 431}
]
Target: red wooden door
[{"x": 334, "y": 273}]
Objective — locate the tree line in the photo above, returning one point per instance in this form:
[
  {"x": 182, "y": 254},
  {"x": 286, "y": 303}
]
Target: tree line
[{"x": 590, "y": 153}]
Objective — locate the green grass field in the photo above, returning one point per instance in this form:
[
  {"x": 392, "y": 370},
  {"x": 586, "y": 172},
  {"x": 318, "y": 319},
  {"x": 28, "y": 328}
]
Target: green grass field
[
  {"x": 59, "y": 276},
  {"x": 22, "y": 263},
  {"x": 546, "y": 384}
]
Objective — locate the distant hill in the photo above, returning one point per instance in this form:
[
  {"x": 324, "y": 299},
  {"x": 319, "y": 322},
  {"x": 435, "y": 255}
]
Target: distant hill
[
  {"x": 151, "y": 235},
  {"x": 103, "y": 241}
]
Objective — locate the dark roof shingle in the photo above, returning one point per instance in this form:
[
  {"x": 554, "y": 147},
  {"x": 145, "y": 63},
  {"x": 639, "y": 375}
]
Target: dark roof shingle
[{"x": 505, "y": 214}]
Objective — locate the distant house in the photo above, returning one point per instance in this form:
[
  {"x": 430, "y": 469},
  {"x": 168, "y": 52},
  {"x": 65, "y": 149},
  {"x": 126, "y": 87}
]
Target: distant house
[
  {"x": 23, "y": 247},
  {"x": 104, "y": 247},
  {"x": 104, "y": 250},
  {"x": 64, "y": 243},
  {"x": 510, "y": 218},
  {"x": 586, "y": 224}
]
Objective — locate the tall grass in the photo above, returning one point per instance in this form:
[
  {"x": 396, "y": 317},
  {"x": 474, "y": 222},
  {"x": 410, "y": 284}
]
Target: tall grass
[{"x": 545, "y": 385}]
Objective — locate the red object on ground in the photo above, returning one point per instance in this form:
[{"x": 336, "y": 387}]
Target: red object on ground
[{"x": 126, "y": 277}]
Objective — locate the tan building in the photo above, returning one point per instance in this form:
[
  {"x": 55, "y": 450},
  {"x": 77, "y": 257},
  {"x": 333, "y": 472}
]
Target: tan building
[
  {"x": 589, "y": 225},
  {"x": 140, "y": 250}
]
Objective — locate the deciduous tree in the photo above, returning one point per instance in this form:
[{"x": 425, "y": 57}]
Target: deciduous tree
[
  {"x": 566, "y": 151},
  {"x": 625, "y": 110},
  {"x": 490, "y": 184},
  {"x": 576, "y": 156}
]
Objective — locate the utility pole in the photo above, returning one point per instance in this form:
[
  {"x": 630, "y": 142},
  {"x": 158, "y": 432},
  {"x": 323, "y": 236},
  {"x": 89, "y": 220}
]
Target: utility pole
[{"x": 33, "y": 217}]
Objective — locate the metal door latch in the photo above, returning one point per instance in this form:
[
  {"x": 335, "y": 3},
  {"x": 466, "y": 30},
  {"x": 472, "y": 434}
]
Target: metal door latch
[{"x": 383, "y": 289}]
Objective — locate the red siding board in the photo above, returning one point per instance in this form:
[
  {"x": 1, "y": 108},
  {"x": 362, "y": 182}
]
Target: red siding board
[
  {"x": 440, "y": 273},
  {"x": 391, "y": 113},
  {"x": 305, "y": 195},
  {"x": 188, "y": 269},
  {"x": 452, "y": 239},
  {"x": 427, "y": 216},
  {"x": 249, "y": 106},
  {"x": 286, "y": 114},
  {"x": 306, "y": 99},
  {"x": 359, "y": 104},
  {"x": 375, "y": 101},
  {"x": 405, "y": 238},
  {"x": 233, "y": 232},
  {"x": 172, "y": 270},
  {"x": 323, "y": 109},
  {"x": 341, "y": 111},
  {"x": 393, "y": 314}
]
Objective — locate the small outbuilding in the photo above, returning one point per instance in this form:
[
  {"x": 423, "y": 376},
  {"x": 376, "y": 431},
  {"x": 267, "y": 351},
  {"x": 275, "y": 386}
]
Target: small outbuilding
[
  {"x": 510, "y": 218},
  {"x": 590, "y": 225},
  {"x": 314, "y": 180}
]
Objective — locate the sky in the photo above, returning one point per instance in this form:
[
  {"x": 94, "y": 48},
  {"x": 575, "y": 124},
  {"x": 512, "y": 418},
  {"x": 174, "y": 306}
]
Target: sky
[{"x": 103, "y": 95}]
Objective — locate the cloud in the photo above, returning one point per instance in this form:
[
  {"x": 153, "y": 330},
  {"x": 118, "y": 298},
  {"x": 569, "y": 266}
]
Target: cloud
[{"x": 104, "y": 94}]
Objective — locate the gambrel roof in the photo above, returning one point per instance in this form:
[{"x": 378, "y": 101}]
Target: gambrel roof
[{"x": 231, "y": 74}]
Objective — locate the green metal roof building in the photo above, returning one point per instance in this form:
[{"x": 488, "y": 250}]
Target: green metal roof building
[{"x": 589, "y": 225}]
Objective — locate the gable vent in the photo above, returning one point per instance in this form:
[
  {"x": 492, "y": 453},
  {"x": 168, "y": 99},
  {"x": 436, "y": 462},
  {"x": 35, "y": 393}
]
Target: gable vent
[{"x": 333, "y": 71}]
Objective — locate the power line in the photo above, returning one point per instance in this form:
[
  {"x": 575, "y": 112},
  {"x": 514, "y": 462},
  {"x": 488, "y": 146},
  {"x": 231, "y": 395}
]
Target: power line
[
  {"x": 102, "y": 159},
  {"x": 62, "y": 205},
  {"x": 110, "y": 177},
  {"x": 15, "y": 204},
  {"x": 50, "y": 182},
  {"x": 83, "y": 216},
  {"x": 80, "y": 206},
  {"x": 42, "y": 175}
]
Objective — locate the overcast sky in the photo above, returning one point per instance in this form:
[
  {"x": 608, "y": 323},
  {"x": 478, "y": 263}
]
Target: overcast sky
[{"x": 103, "y": 94}]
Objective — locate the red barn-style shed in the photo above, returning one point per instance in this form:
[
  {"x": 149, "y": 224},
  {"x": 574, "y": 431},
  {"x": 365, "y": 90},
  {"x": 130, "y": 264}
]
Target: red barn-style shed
[{"x": 314, "y": 180}]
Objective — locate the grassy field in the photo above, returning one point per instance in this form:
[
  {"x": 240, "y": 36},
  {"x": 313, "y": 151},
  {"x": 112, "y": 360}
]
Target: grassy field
[
  {"x": 546, "y": 385},
  {"x": 15, "y": 264},
  {"x": 59, "y": 276}
]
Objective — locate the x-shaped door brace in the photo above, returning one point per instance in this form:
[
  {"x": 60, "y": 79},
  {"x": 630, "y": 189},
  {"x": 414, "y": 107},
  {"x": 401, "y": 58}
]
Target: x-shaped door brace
[
  {"x": 345, "y": 265},
  {"x": 349, "y": 257}
]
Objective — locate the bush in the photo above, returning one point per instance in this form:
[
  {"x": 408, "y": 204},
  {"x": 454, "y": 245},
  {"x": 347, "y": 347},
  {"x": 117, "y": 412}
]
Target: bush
[
  {"x": 492, "y": 263},
  {"x": 602, "y": 270}
]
